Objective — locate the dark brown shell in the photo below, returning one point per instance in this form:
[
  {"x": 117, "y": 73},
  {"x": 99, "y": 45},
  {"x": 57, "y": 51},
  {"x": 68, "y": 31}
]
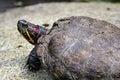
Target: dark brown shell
[{"x": 84, "y": 48}]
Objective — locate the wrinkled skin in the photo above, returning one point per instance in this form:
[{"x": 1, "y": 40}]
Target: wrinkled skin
[{"x": 81, "y": 48}]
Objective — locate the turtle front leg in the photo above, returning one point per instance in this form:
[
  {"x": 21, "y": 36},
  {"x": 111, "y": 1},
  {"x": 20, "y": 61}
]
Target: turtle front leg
[{"x": 33, "y": 62}]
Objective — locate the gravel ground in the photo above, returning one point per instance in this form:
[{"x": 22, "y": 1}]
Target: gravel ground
[{"x": 14, "y": 49}]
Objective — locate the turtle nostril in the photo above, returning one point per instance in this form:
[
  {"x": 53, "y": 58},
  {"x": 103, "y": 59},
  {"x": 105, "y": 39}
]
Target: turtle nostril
[
  {"x": 22, "y": 23},
  {"x": 19, "y": 24}
]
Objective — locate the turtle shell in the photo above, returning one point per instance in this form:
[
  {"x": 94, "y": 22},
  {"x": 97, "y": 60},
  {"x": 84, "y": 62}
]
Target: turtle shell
[{"x": 84, "y": 48}]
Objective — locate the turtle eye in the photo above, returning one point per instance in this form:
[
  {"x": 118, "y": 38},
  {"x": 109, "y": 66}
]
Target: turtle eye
[{"x": 25, "y": 25}]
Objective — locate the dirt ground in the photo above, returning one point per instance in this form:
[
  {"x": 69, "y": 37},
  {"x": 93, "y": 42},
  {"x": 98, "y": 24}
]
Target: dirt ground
[{"x": 14, "y": 49}]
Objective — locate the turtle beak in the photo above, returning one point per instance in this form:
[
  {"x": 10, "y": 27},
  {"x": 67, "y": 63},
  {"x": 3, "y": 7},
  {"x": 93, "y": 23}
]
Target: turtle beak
[
  {"x": 22, "y": 25},
  {"x": 22, "y": 22}
]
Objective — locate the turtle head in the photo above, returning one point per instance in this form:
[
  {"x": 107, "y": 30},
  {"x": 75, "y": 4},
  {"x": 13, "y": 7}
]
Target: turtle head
[{"x": 30, "y": 32}]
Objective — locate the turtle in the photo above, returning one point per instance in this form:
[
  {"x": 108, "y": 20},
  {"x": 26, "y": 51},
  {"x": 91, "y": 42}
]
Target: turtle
[{"x": 75, "y": 48}]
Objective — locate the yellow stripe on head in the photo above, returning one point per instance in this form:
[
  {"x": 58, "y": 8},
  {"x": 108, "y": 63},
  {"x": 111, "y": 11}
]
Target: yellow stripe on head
[{"x": 30, "y": 39}]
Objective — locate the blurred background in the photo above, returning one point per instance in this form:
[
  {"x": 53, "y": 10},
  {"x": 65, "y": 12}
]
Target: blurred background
[{"x": 7, "y": 4}]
